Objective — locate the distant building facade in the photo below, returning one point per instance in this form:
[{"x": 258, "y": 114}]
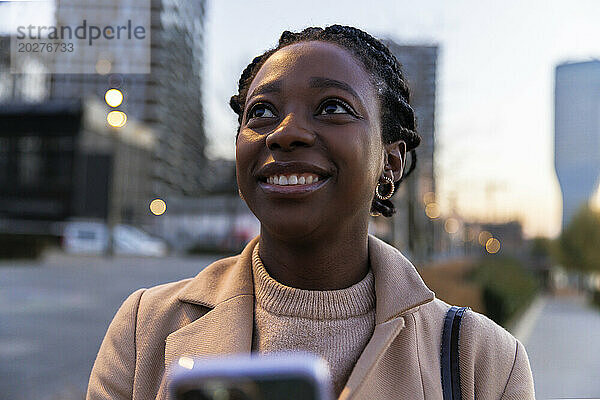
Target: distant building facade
[
  {"x": 60, "y": 161},
  {"x": 412, "y": 230},
  {"x": 510, "y": 235},
  {"x": 577, "y": 133},
  {"x": 168, "y": 99},
  {"x": 29, "y": 87}
]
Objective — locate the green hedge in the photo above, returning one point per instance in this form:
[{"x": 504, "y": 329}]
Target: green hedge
[
  {"x": 506, "y": 285},
  {"x": 596, "y": 298}
]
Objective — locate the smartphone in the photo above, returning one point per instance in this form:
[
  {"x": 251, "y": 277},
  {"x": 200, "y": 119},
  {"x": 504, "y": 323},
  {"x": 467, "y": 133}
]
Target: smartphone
[{"x": 290, "y": 376}]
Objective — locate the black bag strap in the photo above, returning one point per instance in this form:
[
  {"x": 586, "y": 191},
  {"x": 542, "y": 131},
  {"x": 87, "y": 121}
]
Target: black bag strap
[{"x": 449, "y": 359}]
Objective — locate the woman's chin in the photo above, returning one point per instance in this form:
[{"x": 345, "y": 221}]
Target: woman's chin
[{"x": 291, "y": 228}]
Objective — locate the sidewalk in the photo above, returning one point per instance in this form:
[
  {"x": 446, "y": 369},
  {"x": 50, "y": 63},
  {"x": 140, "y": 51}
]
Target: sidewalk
[
  {"x": 524, "y": 326},
  {"x": 562, "y": 337}
]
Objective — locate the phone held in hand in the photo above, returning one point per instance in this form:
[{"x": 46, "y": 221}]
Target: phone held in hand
[{"x": 291, "y": 376}]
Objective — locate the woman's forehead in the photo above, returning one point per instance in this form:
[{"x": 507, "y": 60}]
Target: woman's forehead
[{"x": 302, "y": 63}]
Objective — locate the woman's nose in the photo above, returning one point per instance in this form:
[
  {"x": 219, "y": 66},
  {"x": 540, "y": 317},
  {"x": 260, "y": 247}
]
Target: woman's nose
[{"x": 289, "y": 135}]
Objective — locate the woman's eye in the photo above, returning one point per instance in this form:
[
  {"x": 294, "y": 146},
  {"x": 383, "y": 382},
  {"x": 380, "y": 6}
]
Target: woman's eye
[
  {"x": 335, "y": 107},
  {"x": 261, "y": 111}
]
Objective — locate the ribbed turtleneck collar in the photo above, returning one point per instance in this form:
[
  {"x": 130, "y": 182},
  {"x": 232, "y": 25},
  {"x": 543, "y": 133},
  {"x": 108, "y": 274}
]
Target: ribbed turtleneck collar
[{"x": 279, "y": 299}]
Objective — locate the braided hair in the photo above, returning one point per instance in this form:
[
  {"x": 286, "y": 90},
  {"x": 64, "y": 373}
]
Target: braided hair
[{"x": 397, "y": 116}]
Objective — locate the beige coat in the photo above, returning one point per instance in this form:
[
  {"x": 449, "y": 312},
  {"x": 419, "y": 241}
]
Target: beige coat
[{"x": 213, "y": 314}]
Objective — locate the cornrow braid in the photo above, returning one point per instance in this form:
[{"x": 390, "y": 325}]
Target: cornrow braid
[{"x": 397, "y": 116}]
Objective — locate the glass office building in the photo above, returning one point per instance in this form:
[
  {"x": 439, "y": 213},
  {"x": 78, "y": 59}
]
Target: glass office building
[{"x": 577, "y": 133}]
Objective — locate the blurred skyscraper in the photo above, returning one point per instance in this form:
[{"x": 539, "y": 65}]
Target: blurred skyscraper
[
  {"x": 577, "y": 133},
  {"x": 168, "y": 99},
  {"x": 413, "y": 230}
]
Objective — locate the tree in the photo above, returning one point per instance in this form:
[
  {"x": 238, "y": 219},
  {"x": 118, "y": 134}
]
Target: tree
[
  {"x": 541, "y": 247},
  {"x": 579, "y": 243}
]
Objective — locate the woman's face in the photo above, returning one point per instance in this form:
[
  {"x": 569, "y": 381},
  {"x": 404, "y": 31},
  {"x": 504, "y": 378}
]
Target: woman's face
[{"x": 309, "y": 152}]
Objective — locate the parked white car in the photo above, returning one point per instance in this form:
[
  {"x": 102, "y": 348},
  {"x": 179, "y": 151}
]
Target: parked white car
[
  {"x": 85, "y": 238},
  {"x": 129, "y": 240},
  {"x": 93, "y": 238}
]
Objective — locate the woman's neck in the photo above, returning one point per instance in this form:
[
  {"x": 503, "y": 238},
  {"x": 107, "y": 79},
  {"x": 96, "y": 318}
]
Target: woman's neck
[{"x": 330, "y": 263}]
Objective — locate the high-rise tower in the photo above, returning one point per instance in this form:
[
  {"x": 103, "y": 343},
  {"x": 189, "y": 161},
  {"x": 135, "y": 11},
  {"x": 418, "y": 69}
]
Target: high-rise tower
[
  {"x": 577, "y": 133},
  {"x": 168, "y": 99},
  {"x": 419, "y": 66}
]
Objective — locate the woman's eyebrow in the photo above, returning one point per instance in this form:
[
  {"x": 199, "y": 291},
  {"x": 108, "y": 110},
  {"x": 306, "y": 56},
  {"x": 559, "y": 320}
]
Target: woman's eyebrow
[
  {"x": 269, "y": 87},
  {"x": 314, "y": 82},
  {"x": 318, "y": 82}
]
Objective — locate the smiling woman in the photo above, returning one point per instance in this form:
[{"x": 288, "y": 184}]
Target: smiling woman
[
  {"x": 325, "y": 127},
  {"x": 325, "y": 122}
]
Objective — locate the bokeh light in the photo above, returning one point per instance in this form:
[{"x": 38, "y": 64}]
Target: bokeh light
[
  {"x": 432, "y": 210},
  {"x": 451, "y": 225},
  {"x": 116, "y": 119},
  {"x": 484, "y": 236},
  {"x": 428, "y": 197},
  {"x": 103, "y": 66},
  {"x": 492, "y": 245},
  {"x": 113, "y": 97},
  {"x": 115, "y": 80},
  {"x": 158, "y": 207}
]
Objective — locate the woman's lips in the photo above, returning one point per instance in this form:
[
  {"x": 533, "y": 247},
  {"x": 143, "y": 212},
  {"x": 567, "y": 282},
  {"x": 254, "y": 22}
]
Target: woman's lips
[{"x": 291, "y": 190}]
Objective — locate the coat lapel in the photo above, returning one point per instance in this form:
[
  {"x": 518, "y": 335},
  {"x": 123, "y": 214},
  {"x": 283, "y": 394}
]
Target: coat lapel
[
  {"x": 398, "y": 286},
  {"x": 227, "y": 288},
  {"x": 383, "y": 335},
  {"x": 226, "y": 329},
  {"x": 399, "y": 290}
]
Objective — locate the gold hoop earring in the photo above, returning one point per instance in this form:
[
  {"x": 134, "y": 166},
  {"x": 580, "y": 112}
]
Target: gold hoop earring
[{"x": 389, "y": 182}]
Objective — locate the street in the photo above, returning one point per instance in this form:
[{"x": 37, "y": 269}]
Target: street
[{"x": 53, "y": 315}]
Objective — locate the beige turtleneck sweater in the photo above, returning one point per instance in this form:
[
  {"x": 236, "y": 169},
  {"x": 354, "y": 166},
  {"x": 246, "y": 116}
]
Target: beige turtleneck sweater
[{"x": 334, "y": 324}]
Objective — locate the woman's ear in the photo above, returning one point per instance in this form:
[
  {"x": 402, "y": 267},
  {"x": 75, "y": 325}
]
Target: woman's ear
[{"x": 395, "y": 158}]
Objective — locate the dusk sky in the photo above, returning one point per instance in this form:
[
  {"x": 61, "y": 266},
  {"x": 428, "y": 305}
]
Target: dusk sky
[
  {"x": 494, "y": 109},
  {"x": 494, "y": 127}
]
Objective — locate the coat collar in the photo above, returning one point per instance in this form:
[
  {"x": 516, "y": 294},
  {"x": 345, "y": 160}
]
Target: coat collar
[
  {"x": 398, "y": 286},
  {"x": 222, "y": 280},
  {"x": 227, "y": 287}
]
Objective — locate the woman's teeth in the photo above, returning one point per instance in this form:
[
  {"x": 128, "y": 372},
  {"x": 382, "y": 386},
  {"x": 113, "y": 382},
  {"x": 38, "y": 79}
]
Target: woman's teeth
[{"x": 294, "y": 179}]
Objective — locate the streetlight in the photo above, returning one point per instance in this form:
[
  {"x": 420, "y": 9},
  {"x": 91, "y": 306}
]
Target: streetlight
[
  {"x": 116, "y": 119},
  {"x": 158, "y": 207},
  {"x": 113, "y": 97},
  {"x": 492, "y": 245}
]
